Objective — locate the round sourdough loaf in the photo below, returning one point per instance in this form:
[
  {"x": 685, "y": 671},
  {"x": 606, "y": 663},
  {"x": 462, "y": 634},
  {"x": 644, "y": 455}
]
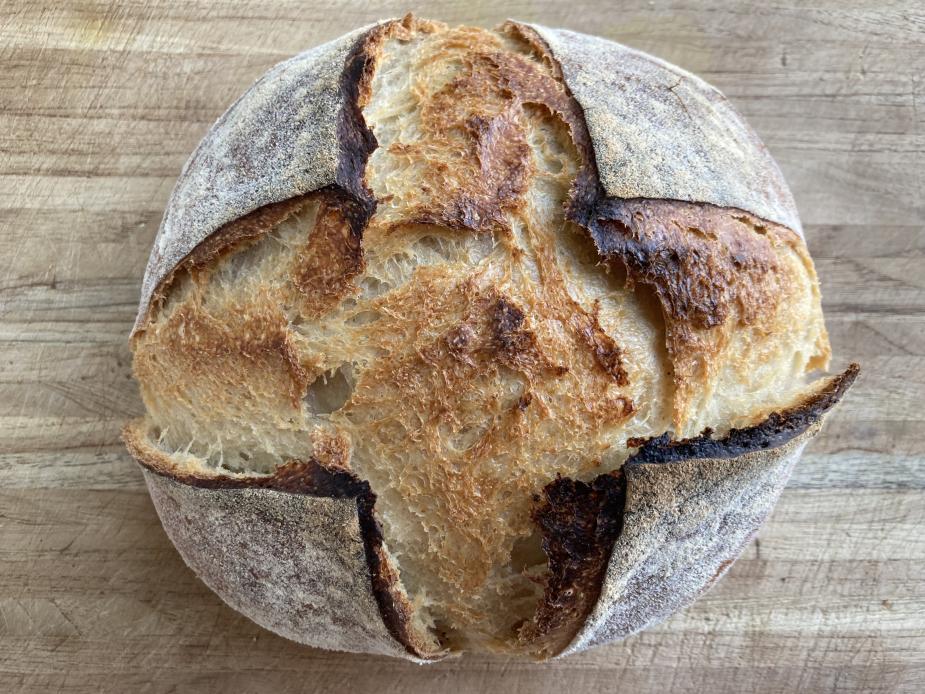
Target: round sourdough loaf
[{"x": 456, "y": 340}]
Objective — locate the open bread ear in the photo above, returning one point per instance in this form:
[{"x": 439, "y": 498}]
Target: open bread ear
[
  {"x": 295, "y": 131},
  {"x": 299, "y": 552},
  {"x": 691, "y": 507},
  {"x": 679, "y": 137}
]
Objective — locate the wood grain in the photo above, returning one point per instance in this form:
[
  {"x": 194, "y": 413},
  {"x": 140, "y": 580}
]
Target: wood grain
[{"x": 101, "y": 103}]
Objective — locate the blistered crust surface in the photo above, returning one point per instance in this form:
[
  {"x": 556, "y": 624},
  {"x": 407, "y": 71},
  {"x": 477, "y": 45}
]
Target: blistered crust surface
[
  {"x": 739, "y": 297},
  {"x": 661, "y": 132},
  {"x": 278, "y": 140},
  {"x": 268, "y": 554}
]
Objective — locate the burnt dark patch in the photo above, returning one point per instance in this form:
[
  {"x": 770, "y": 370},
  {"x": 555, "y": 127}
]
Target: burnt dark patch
[
  {"x": 700, "y": 278},
  {"x": 516, "y": 346},
  {"x": 506, "y": 322},
  {"x": 356, "y": 138},
  {"x": 580, "y": 523}
]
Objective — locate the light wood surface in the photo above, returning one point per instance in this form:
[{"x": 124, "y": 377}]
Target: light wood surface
[{"x": 100, "y": 104}]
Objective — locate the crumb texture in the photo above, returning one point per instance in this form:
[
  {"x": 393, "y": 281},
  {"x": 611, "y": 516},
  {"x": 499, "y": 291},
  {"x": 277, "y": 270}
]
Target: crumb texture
[{"x": 482, "y": 334}]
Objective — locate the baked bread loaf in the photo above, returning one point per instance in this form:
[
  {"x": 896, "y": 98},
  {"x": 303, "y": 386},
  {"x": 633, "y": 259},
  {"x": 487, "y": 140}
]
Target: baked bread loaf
[{"x": 457, "y": 340}]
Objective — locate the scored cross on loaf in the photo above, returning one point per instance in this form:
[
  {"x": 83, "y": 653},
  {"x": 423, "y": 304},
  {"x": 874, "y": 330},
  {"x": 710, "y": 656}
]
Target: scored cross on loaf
[{"x": 456, "y": 339}]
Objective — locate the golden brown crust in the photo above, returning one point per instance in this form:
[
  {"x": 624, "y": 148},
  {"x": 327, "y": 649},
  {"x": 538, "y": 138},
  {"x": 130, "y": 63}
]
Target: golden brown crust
[
  {"x": 227, "y": 239},
  {"x": 234, "y": 235},
  {"x": 512, "y": 345},
  {"x": 473, "y": 141},
  {"x": 325, "y": 267},
  {"x": 253, "y": 335},
  {"x": 713, "y": 270},
  {"x": 706, "y": 264},
  {"x": 471, "y": 157},
  {"x": 240, "y": 166}
]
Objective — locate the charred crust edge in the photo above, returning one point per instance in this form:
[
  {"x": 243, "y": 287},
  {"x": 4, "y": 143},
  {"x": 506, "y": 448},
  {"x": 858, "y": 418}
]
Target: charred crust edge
[
  {"x": 589, "y": 205},
  {"x": 355, "y": 137},
  {"x": 775, "y": 430},
  {"x": 587, "y": 198},
  {"x": 581, "y": 521}
]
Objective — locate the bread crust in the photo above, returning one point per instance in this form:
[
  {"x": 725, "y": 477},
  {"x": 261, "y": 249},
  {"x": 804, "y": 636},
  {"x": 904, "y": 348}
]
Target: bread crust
[
  {"x": 628, "y": 549},
  {"x": 294, "y": 131},
  {"x": 713, "y": 270},
  {"x": 299, "y": 133},
  {"x": 680, "y": 138},
  {"x": 644, "y": 541},
  {"x": 686, "y": 199},
  {"x": 300, "y": 551}
]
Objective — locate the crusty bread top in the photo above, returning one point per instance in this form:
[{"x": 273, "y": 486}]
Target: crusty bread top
[
  {"x": 657, "y": 132},
  {"x": 462, "y": 312},
  {"x": 660, "y": 132}
]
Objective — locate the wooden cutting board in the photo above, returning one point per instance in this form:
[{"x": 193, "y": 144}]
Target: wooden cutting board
[{"x": 100, "y": 104}]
